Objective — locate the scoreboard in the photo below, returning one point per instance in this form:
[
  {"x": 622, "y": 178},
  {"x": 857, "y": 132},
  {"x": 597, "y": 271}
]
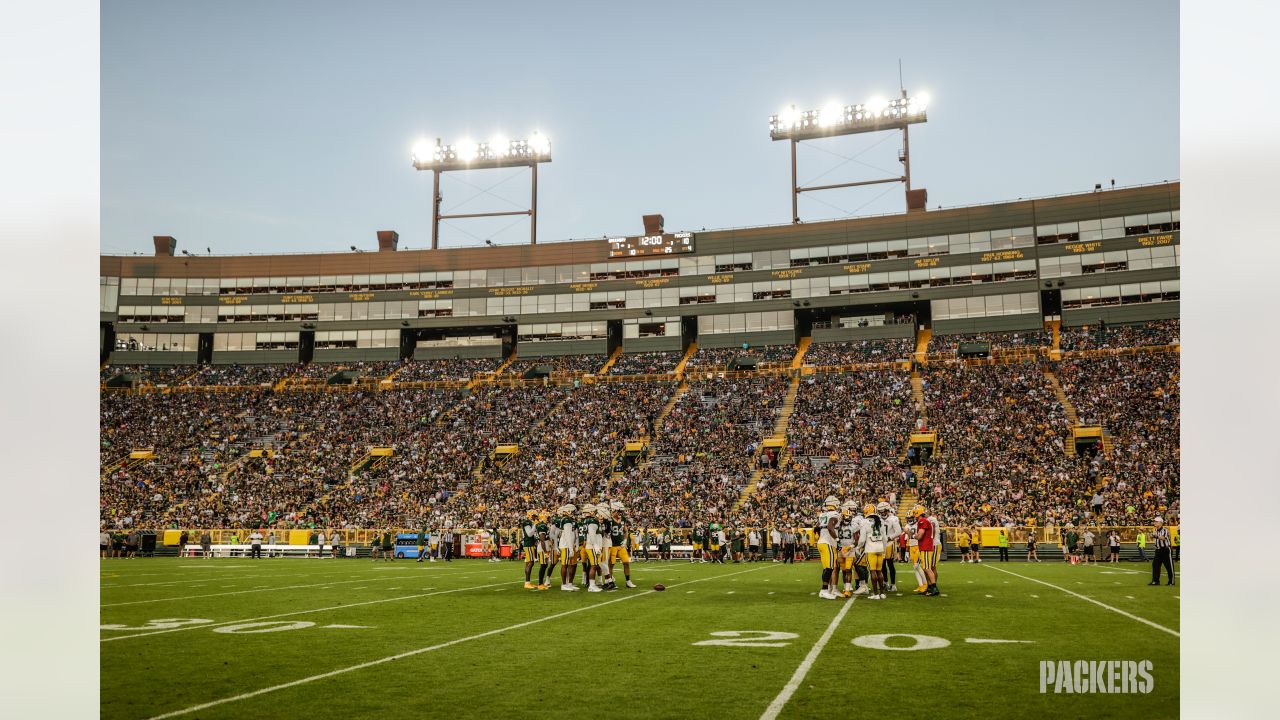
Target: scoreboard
[{"x": 647, "y": 245}]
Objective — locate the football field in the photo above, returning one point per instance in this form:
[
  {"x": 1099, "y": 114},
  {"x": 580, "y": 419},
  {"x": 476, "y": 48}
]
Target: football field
[{"x": 237, "y": 638}]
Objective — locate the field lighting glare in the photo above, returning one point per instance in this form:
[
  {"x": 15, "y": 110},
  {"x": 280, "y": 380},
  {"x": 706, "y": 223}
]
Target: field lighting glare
[
  {"x": 539, "y": 144},
  {"x": 836, "y": 119},
  {"x": 498, "y": 151},
  {"x": 831, "y": 114},
  {"x": 423, "y": 151}
]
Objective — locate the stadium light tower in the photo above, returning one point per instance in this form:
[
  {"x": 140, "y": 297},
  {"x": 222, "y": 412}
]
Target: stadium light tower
[
  {"x": 467, "y": 155},
  {"x": 833, "y": 120}
]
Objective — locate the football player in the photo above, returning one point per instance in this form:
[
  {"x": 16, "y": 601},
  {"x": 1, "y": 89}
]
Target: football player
[
  {"x": 849, "y": 528},
  {"x": 874, "y": 535},
  {"x": 926, "y": 534},
  {"x": 545, "y": 549},
  {"x": 587, "y": 515},
  {"x": 893, "y": 528},
  {"x": 531, "y": 547},
  {"x": 605, "y": 518},
  {"x": 568, "y": 546},
  {"x": 698, "y": 537},
  {"x": 913, "y": 554},
  {"x": 828, "y": 543},
  {"x": 621, "y": 538},
  {"x": 592, "y": 546}
]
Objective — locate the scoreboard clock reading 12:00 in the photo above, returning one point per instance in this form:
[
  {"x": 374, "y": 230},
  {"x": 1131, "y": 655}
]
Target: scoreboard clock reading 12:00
[{"x": 646, "y": 245}]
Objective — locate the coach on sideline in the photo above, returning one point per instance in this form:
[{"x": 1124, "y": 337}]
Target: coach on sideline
[{"x": 1162, "y": 557}]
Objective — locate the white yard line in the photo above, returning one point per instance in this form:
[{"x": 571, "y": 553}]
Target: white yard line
[
  {"x": 797, "y": 677},
  {"x": 1131, "y": 616},
  {"x": 419, "y": 651},
  {"x": 254, "y": 590},
  {"x": 299, "y": 612}
]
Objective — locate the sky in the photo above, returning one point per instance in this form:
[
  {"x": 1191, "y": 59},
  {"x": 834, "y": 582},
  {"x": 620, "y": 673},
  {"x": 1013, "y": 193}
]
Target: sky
[{"x": 282, "y": 126}]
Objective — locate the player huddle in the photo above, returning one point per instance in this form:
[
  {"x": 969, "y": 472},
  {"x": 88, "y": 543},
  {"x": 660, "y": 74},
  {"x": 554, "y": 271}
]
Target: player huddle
[
  {"x": 863, "y": 545},
  {"x": 595, "y": 537}
]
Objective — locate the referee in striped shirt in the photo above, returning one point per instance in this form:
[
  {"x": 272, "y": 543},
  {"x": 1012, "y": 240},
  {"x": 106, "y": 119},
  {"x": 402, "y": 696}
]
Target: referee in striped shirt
[{"x": 1162, "y": 557}]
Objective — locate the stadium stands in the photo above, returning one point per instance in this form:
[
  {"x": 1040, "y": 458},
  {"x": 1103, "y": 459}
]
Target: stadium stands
[
  {"x": 302, "y": 457},
  {"x": 646, "y": 363},
  {"x": 858, "y": 351}
]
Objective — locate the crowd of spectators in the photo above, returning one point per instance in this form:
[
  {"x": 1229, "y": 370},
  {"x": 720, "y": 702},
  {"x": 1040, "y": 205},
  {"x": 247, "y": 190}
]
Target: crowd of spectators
[
  {"x": 765, "y": 355},
  {"x": 1102, "y": 336},
  {"x": 646, "y": 363},
  {"x": 790, "y": 495},
  {"x": 1135, "y": 399},
  {"x": 859, "y": 351},
  {"x": 1000, "y": 341},
  {"x": 573, "y": 446},
  {"x": 362, "y": 368},
  {"x": 210, "y": 375},
  {"x": 149, "y": 374},
  {"x": 561, "y": 365},
  {"x": 1001, "y": 460},
  {"x": 847, "y": 416},
  {"x": 1002, "y": 431},
  {"x": 438, "y": 369}
]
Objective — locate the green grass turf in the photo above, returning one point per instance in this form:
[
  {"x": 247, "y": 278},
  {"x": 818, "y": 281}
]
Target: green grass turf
[{"x": 629, "y": 652}]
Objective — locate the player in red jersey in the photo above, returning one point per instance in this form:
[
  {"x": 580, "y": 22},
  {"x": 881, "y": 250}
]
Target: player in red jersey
[{"x": 925, "y": 536}]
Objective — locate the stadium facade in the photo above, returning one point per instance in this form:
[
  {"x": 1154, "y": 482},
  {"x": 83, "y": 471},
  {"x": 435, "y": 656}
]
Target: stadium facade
[{"x": 1106, "y": 255}]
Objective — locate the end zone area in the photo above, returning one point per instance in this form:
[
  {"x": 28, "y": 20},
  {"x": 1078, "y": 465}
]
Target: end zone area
[{"x": 230, "y": 638}]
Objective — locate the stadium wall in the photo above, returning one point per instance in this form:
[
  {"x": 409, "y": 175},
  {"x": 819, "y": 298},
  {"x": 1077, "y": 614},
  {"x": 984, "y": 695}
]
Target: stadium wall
[
  {"x": 545, "y": 349},
  {"x": 656, "y": 344},
  {"x": 1121, "y": 314}
]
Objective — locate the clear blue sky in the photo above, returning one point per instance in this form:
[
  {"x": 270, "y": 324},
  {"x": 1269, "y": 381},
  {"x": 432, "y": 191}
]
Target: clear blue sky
[{"x": 286, "y": 126}]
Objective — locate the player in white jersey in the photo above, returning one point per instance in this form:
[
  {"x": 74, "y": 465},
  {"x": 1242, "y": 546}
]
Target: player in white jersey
[
  {"x": 874, "y": 535},
  {"x": 913, "y": 554},
  {"x": 604, "y": 576},
  {"x": 828, "y": 543},
  {"x": 848, "y": 537},
  {"x": 592, "y": 545},
  {"x": 567, "y": 545},
  {"x": 937, "y": 545},
  {"x": 894, "y": 528}
]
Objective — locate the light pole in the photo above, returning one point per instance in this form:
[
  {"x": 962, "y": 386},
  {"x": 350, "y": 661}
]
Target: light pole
[
  {"x": 834, "y": 120},
  {"x": 467, "y": 155}
]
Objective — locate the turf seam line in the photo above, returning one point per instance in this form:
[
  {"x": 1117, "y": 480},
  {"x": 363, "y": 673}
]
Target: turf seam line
[
  {"x": 789, "y": 689},
  {"x": 419, "y": 651},
  {"x": 1129, "y": 615},
  {"x": 299, "y": 612}
]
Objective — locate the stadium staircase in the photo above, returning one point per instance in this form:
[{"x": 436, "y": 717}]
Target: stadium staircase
[
  {"x": 779, "y": 433},
  {"x": 185, "y": 378},
  {"x": 283, "y": 382},
  {"x": 657, "y": 427},
  {"x": 1107, "y": 442},
  {"x": 906, "y": 500},
  {"x": 124, "y": 463},
  {"x": 923, "y": 336},
  {"x": 392, "y": 376},
  {"x": 679, "y": 370},
  {"x": 801, "y": 348},
  {"x": 478, "y": 472},
  {"x": 604, "y": 369},
  {"x": 1055, "y": 349},
  {"x": 1068, "y": 445}
]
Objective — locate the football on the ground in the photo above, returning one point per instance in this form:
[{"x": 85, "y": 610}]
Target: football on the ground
[{"x": 659, "y": 587}]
